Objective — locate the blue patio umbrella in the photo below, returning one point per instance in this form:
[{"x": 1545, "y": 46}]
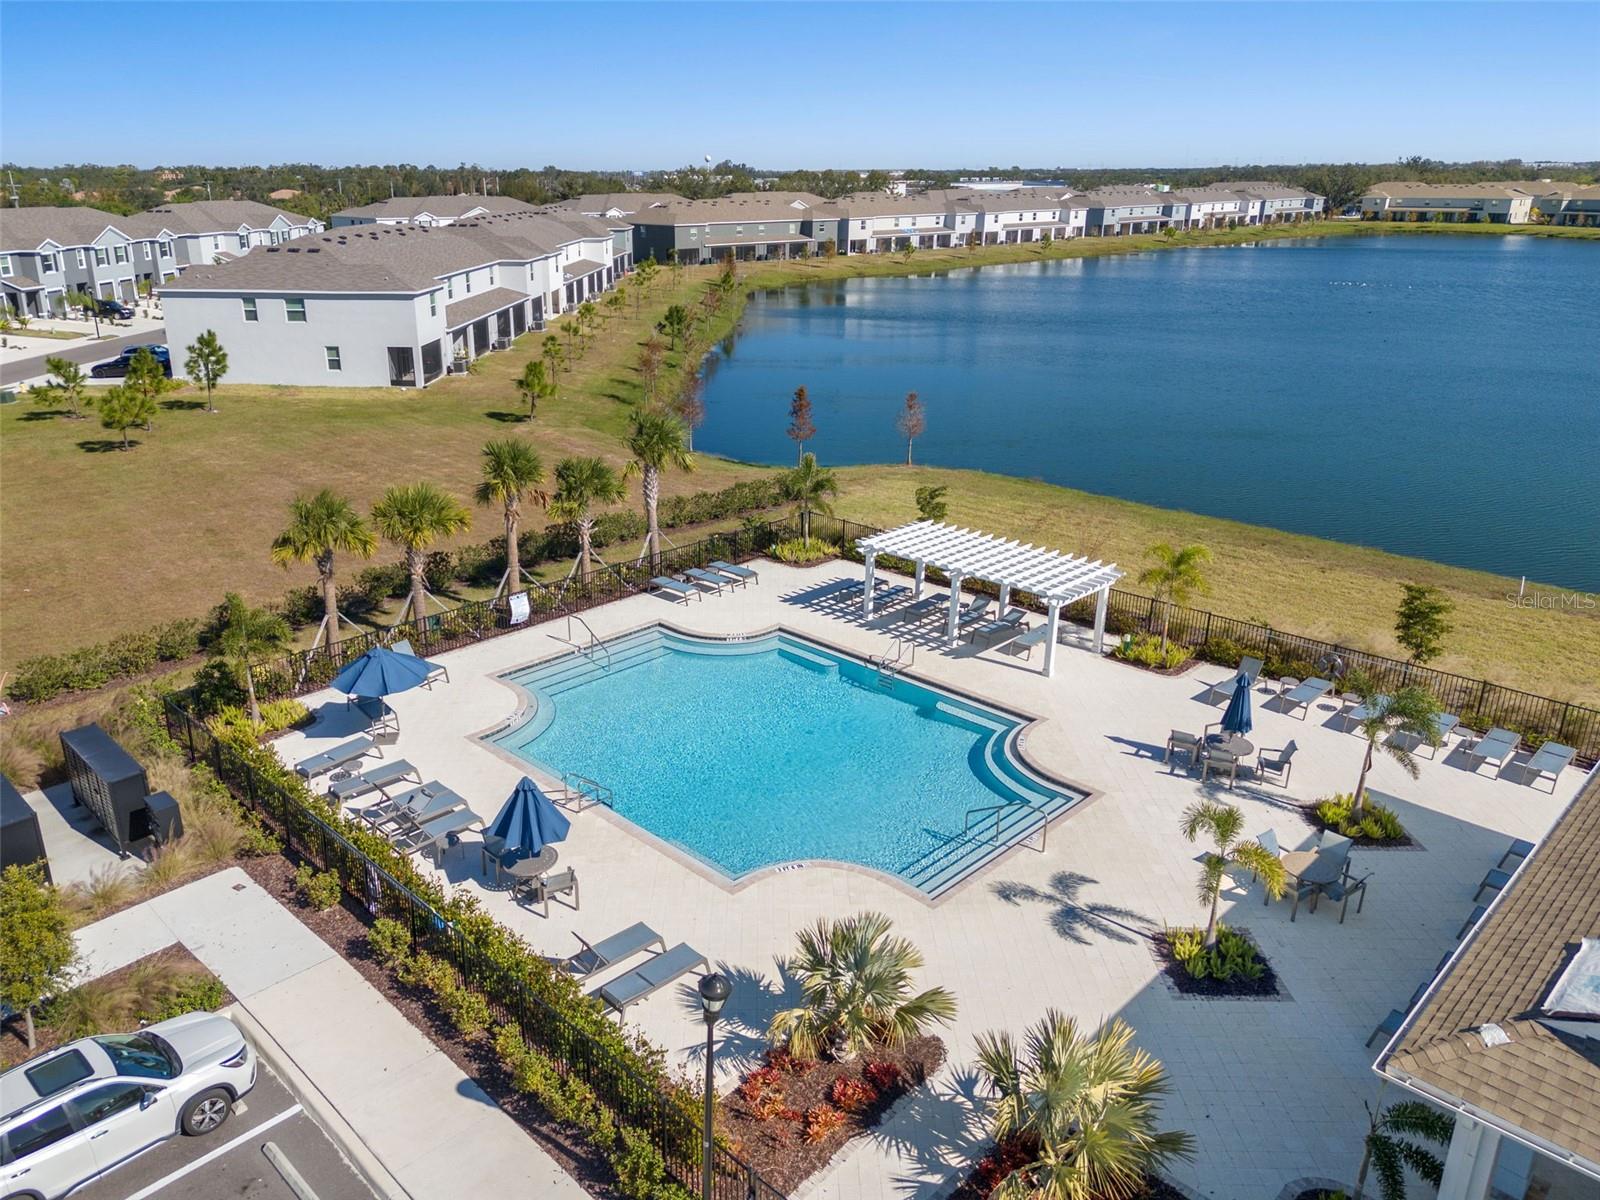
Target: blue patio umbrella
[
  {"x": 1237, "y": 718},
  {"x": 381, "y": 672},
  {"x": 528, "y": 821}
]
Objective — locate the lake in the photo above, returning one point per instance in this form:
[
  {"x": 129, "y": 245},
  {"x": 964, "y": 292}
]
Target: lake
[{"x": 1434, "y": 396}]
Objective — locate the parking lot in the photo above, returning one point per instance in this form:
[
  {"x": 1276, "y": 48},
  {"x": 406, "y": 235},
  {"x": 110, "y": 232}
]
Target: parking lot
[{"x": 272, "y": 1151}]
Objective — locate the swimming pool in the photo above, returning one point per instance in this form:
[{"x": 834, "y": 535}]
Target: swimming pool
[{"x": 776, "y": 750}]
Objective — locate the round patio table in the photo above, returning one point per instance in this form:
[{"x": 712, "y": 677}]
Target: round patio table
[
  {"x": 530, "y": 866},
  {"x": 1236, "y": 745}
]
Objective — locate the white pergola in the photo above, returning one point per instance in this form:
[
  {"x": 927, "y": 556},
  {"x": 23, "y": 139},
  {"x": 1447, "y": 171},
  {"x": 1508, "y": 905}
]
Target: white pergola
[{"x": 1056, "y": 578}]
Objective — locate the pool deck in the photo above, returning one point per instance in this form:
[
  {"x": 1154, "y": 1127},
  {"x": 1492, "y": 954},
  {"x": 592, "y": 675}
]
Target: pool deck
[{"x": 1272, "y": 1089}]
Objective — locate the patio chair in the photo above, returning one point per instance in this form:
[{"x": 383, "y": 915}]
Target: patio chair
[
  {"x": 1550, "y": 759},
  {"x": 1014, "y": 621},
  {"x": 650, "y": 977},
  {"x": 675, "y": 589},
  {"x": 383, "y": 723},
  {"x": 438, "y": 835},
  {"x": 1390, "y": 1025},
  {"x": 1472, "y": 919},
  {"x": 708, "y": 579},
  {"x": 384, "y": 775},
  {"x": 727, "y": 577},
  {"x": 341, "y": 755},
  {"x": 1219, "y": 760},
  {"x": 1277, "y": 762},
  {"x": 1267, "y": 839},
  {"x": 1249, "y": 667},
  {"x": 738, "y": 572},
  {"x": 1304, "y": 695},
  {"x": 1517, "y": 849},
  {"x": 1346, "y": 887},
  {"x": 435, "y": 670},
  {"x": 1494, "y": 881},
  {"x": 599, "y": 955},
  {"x": 539, "y": 891},
  {"x": 1335, "y": 844},
  {"x": 1186, "y": 744},
  {"x": 1496, "y": 747}
]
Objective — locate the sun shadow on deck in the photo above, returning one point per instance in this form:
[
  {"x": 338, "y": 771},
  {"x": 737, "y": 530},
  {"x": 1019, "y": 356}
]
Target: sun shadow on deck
[{"x": 1073, "y": 916}]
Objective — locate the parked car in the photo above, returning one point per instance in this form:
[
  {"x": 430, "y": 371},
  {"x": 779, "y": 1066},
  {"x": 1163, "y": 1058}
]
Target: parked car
[
  {"x": 118, "y": 366},
  {"x": 113, "y": 308},
  {"x": 75, "y": 1113}
]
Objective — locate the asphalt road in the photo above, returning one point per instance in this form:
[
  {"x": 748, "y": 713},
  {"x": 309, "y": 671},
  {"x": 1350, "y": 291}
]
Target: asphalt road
[
  {"x": 239, "y": 1161},
  {"x": 82, "y": 352}
]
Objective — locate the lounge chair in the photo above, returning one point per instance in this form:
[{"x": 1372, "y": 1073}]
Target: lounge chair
[
  {"x": 383, "y": 723},
  {"x": 1014, "y": 621},
  {"x": 968, "y": 613},
  {"x": 438, "y": 834},
  {"x": 384, "y": 775},
  {"x": 1305, "y": 695},
  {"x": 676, "y": 589},
  {"x": 738, "y": 572},
  {"x": 1518, "y": 849},
  {"x": 1183, "y": 743},
  {"x": 1494, "y": 881},
  {"x": 885, "y": 598},
  {"x": 1278, "y": 762},
  {"x": 1496, "y": 747},
  {"x": 435, "y": 670},
  {"x": 1249, "y": 667},
  {"x": 1390, "y": 1025},
  {"x": 726, "y": 577},
  {"x": 1550, "y": 759},
  {"x": 341, "y": 755},
  {"x": 599, "y": 955},
  {"x": 1356, "y": 713},
  {"x": 539, "y": 891},
  {"x": 1444, "y": 724},
  {"x": 1472, "y": 919},
  {"x": 921, "y": 610},
  {"x": 708, "y": 579},
  {"x": 411, "y": 808},
  {"x": 650, "y": 977}
]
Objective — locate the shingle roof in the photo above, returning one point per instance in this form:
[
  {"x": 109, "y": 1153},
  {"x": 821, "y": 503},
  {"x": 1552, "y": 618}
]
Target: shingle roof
[
  {"x": 480, "y": 305},
  {"x": 453, "y": 207},
  {"x": 1543, "y": 1082},
  {"x": 210, "y": 216},
  {"x": 29, "y": 228},
  {"x": 741, "y": 206},
  {"x": 624, "y": 202},
  {"x": 1466, "y": 191}
]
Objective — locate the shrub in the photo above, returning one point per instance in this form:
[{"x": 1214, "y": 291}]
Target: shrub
[
  {"x": 423, "y": 970},
  {"x": 759, "y": 1082},
  {"x": 802, "y": 553},
  {"x": 851, "y": 1094},
  {"x": 215, "y": 688},
  {"x": 1225, "y": 652},
  {"x": 278, "y": 715},
  {"x": 1145, "y": 650},
  {"x": 467, "y": 1010},
  {"x": 770, "y": 1105},
  {"x": 193, "y": 993},
  {"x": 641, "y": 1175},
  {"x": 821, "y": 1120},
  {"x": 320, "y": 889},
  {"x": 1375, "y": 822},
  {"x": 1233, "y": 957},
  {"x": 390, "y": 941},
  {"x": 883, "y": 1075}
]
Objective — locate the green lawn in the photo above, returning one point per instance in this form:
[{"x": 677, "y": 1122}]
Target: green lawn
[{"x": 96, "y": 541}]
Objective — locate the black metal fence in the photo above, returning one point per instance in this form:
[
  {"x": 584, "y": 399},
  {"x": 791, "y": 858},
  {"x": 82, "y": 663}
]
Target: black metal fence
[{"x": 634, "y": 1099}]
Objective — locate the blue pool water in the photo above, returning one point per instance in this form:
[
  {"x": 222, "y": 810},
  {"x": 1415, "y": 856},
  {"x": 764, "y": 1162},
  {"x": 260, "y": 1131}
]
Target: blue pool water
[{"x": 775, "y": 750}]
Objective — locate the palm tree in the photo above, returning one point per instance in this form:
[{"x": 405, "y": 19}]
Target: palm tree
[
  {"x": 535, "y": 383},
  {"x": 582, "y": 483},
  {"x": 656, "y": 441},
  {"x": 1174, "y": 575},
  {"x": 1397, "y": 722},
  {"x": 319, "y": 526},
  {"x": 511, "y": 470},
  {"x": 1391, "y": 1154},
  {"x": 248, "y": 634},
  {"x": 855, "y": 990},
  {"x": 413, "y": 517},
  {"x": 207, "y": 364},
  {"x": 1087, "y": 1103},
  {"x": 808, "y": 488},
  {"x": 1225, "y": 824}
]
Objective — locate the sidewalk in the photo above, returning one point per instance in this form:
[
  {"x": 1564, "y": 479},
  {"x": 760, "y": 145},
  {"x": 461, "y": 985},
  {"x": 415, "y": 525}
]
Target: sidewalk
[{"x": 428, "y": 1127}]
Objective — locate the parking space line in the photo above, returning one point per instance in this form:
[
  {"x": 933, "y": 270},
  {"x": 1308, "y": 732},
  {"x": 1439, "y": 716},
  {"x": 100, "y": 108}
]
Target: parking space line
[{"x": 146, "y": 1192}]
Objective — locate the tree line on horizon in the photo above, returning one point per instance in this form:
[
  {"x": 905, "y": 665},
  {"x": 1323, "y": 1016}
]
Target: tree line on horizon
[{"x": 323, "y": 190}]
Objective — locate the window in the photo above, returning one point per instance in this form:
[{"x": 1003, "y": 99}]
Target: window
[
  {"x": 433, "y": 299},
  {"x": 145, "y": 246},
  {"x": 141, "y": 1054},
  {"x": 122, "y": 254},
  {"x": 244, "y": 241},
  {"x": 100, "y": 257},
  {"x": 449, "y": 289},
  {"x": 80, "y": 260},
  {"x": 491, "y": 276},
  {"x": 166, "y": 249},
  {"x": 46, "y": 1129},
  {"x": 468, "y": 278},
  {"x": 103, "y": 1103},
  {"x": 250, "y": 313},
  {"x": 5, "y": 264},
  {"x": 48, "y": 263},
  {"x": 58, "y": 1073},
  {"x": 295, "y": 311},
  {"x": 333, "y": 358}
]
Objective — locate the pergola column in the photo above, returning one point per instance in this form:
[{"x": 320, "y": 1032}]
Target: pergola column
[
  {"x": 955, "y": 609},
  {"x": 1005, "y": 596},
  {"x": 867, "y": 585},
  {"x": 922, "y": 567},
  {"x": 1103, "y": 595},
  {"x": 1052, "y": 623}
]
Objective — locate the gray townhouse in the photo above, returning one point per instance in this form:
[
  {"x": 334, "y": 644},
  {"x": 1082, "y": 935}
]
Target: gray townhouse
[
  {"x": 1114, "y": 212},
  {"x": 1570, "y": 204},
  {"x": 751, "y": 226},
  {"x": 393, "y": 305},
  {"x": 205, "y": 232},
  {"x": 618, "y": 204},
  {"x": 429, "y": 210},
  {"x": 1492, "y": 203},
  {"x": 47, "y": 252},
  {"x": 1278, "y": 203}
]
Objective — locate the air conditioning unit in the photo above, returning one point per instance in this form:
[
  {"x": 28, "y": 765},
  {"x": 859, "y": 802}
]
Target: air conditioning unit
[{"x": 502, "y": 343}]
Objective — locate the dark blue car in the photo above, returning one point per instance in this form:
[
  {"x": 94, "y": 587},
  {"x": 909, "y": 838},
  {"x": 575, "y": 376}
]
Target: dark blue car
[
  {"x": 118, "y": 366},
  {"x": 113, "y": 308}
]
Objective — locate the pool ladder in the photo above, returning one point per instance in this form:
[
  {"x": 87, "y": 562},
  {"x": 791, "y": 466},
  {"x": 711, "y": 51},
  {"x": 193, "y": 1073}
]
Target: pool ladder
[
  {"x": 584, "y": 792},
  {"x": 587, "y": 648},
  {"x": 887, "y": 666},
  {"x": 1041, "y": 822}
]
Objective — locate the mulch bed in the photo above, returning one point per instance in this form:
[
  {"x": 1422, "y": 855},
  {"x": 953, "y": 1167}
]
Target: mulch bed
[
  {"x": 14, "y": 1033},
  {"x": 344, "y": 928},
  {"x": 1013, "y": 1153},
  {"x": 1401, "y": 843},
  {"x": 777, "y": 1109},
  {"x": 1186, "y": 984}
]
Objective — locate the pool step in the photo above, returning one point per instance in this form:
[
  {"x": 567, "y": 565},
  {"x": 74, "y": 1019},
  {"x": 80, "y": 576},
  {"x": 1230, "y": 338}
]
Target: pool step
[{"x": 944, "y": 866}]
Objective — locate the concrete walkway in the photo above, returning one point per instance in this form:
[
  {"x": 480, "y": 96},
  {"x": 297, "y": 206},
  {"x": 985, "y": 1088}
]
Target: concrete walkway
[{"x": 417, "y": 1125}]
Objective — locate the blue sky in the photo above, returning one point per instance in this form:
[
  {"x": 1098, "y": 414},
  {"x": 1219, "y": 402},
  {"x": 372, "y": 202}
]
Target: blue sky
[{"x": 776, "y": 85}]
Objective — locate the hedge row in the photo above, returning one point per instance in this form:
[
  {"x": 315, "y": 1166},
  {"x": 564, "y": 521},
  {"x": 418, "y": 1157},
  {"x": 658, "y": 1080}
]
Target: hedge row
[{"x": 49, "y": 675}]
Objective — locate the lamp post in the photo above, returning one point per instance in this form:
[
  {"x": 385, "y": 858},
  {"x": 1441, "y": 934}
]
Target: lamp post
[{"x": 714, "y": 991}]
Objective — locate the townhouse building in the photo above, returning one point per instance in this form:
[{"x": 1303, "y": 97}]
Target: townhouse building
[
  {"x": 618, "y": 204},
  {"x": 1570, "y": 204},
  {"x": 1274, "y": 203},
  {"x": 429, "y": 210},
  {"x": 1022, "y": 215},
  {"x": 749, "y": 226},
  {"x": 204, "y": 232},
  {"x": 1114, "y": 212},
  {"x": 875, "y": 222},
  {"x": 1494, "y": 203},
  {"x": 47, "y": 252},
  {"x": 390, "y": 304}
]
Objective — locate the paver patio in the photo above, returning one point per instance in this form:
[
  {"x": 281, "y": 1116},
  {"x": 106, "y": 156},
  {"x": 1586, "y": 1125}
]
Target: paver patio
[{"x": 1272, "y": 1089}]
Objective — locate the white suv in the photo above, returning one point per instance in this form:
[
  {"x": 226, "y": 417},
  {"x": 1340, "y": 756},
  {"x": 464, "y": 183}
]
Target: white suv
[{"x": 90, "y": 1106}]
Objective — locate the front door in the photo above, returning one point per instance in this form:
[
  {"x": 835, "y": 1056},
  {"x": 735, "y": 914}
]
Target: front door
[{"x": 402, "y": 367}]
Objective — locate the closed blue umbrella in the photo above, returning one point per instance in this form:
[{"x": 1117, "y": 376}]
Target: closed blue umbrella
[
  {"x": 381, "y": 672},
  {"x": 528, "y": 821},
  {"x": 1237, "y": 718}
]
